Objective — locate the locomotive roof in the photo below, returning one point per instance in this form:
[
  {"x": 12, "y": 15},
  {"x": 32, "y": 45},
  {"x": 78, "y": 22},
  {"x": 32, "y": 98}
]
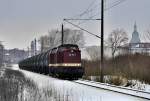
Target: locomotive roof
[
  {"x": 68, "y": 45},
  {"x": 64, "y": 45}
]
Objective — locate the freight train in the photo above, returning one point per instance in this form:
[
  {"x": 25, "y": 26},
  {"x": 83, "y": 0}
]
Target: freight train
[{"x": 63, "y": 62}]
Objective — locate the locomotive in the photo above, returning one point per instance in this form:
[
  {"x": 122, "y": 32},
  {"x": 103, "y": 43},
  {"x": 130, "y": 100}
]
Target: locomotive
[{"x": 63, "y": 62}]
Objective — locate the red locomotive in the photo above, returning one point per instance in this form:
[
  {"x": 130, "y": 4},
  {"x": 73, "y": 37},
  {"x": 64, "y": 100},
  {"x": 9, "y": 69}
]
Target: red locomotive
[{"x": 63, "y": 62}]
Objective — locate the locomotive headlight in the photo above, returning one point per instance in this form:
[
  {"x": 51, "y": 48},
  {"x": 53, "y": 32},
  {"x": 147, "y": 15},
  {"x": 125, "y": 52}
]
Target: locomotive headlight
[
  {"x": 79, "y": 64},
  {"x": 72, "y": 64},
  {"x": 66, "y": 65}
]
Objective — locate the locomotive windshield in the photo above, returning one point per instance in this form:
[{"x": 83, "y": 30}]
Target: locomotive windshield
[{"x": 68, "y": 46}]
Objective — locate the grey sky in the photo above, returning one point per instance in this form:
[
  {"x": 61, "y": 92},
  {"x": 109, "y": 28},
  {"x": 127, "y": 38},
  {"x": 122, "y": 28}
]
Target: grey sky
[{"x": 23, "y": 20}]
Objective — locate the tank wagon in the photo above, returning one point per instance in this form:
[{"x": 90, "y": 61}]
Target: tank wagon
[{"x": 63, "y": 62}]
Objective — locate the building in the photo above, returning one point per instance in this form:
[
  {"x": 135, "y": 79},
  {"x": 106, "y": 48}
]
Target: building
[
  {"x": 1, "y": 55},
  {"x": 33, "y": 48},
  {"x": 13, "y": 56},
  {"x": 136, "y": 45},
  {"x": 135, "y": 36}
]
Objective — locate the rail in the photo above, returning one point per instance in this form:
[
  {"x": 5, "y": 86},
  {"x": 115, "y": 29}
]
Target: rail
[{"x": 118, "y": 89}]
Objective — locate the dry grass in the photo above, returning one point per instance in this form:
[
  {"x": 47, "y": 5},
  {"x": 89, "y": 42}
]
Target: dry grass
[
  {"x": 130, "y": 66},
  {"x": 14, "y": 86}
]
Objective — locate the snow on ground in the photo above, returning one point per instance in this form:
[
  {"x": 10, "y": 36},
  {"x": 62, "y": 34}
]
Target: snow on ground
[
  {"x": 78, "y": 92},
  {"x": 2, "y": 71},
  {"x": 133, "y": 84},
  {"x": 74, "y": 91},
  {"x": 147, "y": 88},
  {"x": 136, "y": 84},
  {"x": 15, "y": 66},
  {"x": 117, "y": 88}
]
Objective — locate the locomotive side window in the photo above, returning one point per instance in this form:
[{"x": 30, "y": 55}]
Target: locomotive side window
[{"x": 71, "y": 54}]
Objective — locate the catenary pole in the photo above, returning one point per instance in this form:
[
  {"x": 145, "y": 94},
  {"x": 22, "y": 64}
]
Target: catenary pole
[
  {"x": 102, "y": 41},
  {"x": 62, "y": 37}
]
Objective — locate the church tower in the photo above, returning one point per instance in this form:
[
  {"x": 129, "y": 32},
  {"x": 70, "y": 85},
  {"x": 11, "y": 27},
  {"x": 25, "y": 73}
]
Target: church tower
[{"x": 135, "y": 35}]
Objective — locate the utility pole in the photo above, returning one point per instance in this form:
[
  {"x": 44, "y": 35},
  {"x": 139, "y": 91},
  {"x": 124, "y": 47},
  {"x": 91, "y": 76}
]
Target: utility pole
[
  {"x": 28, "y": 51},
  {"x": 35, "y": 50},
  {"x": 102, "y": 41},
  {"x": 62, "y": 37}
]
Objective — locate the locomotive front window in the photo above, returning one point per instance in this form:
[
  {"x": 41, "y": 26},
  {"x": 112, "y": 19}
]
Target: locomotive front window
[
  {"x": 66, "y": 48},
  {"x": 73, "y": 48}
]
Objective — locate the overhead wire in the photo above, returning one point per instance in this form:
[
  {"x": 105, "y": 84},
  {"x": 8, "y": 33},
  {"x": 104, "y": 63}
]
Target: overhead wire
[
  {"x": 84, "y": 30},
  {"x": 114, "y": 4},
  {"x": 89, "y": 10},
  {"x": 86, "y": 11}
]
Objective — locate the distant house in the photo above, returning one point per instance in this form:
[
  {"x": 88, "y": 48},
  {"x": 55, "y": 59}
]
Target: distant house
[{"x": 13, "y": 56}]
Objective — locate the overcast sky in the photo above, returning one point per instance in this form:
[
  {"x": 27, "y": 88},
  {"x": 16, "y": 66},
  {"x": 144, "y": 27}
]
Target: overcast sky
[{"x": 23, "y": 20}]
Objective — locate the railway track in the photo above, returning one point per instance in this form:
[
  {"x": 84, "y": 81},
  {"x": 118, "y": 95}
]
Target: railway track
[{"x": 117, "y": 89}]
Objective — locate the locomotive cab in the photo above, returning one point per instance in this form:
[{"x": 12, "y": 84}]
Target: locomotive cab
[
  {"x": 69, "y": 61},
  {"x": 71, "y": 55}
]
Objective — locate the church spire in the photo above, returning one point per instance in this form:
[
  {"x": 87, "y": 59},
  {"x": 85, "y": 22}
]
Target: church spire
[
  {"x": 135, "y": 27},
  {"x": 135, "y": 35}
]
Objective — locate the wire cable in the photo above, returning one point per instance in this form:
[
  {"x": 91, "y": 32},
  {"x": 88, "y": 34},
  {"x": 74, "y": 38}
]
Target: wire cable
[{"x": 114, "y": 4}]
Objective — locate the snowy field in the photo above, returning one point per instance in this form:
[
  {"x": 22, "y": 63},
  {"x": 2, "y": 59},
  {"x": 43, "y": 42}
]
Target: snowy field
[
  {"x": 76, "y": 92},
  {"x": 124, "y": 90},
  {"x": 2, "y": 72}
]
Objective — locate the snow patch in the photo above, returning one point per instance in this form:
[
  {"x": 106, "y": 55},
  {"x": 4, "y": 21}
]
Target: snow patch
[{"x": 77, "y": 92}]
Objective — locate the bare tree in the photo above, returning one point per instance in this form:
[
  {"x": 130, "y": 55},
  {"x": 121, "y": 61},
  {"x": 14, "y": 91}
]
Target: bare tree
[
  {"x": 93, "y": 52},
  {"x": 76, "y": 37},
  {"x": 146, "y": 37},
  {"x": 44, "y": 42},
  {"x": 148, "y": 34},
  {"x": 117, "y": 38},
  {"x": 53, "y": 38}
]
